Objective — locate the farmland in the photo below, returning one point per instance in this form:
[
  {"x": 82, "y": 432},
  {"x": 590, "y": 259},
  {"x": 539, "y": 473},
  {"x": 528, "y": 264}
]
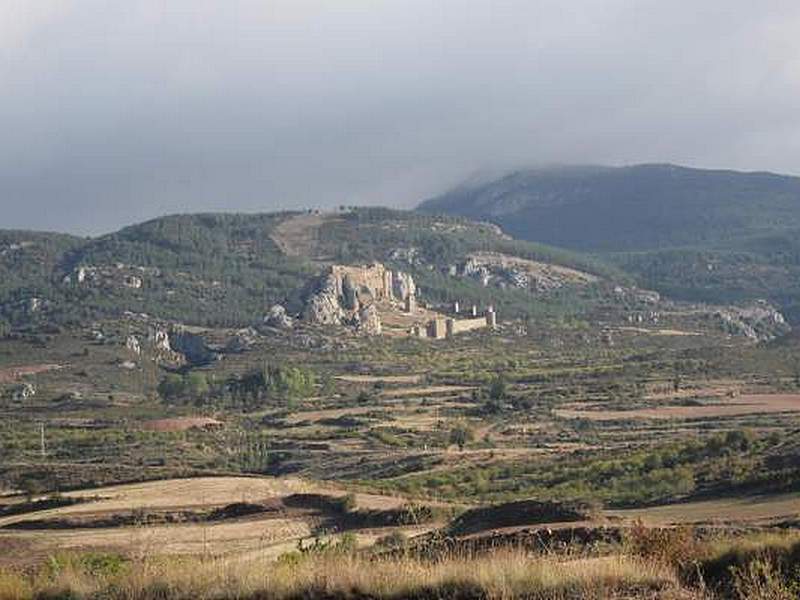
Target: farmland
[{"x": 589, "y": 415}]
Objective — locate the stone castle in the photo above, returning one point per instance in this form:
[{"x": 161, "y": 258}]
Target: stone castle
[{"x": 366, "y": 296}]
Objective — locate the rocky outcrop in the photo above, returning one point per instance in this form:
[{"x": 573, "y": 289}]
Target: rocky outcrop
[
  {"x": 350, "y": 299},
  {"x": 369, "y": 321},
  {"x": 23, "y": 391},
  {"x": 507, "y": 271},
  {"x": 34, "y": 305},
  {"x": 352, "y": 295},
  {"x": 409, "y": 255},
  {"x": 159, "y": 340},
  {"x": 190, "y": 345},
  {"x": 403, "y": 285},
  {"x": 759, "y": 322},
  {"x": 278, "y": 318},
  {"x": 243, "y": 340},
  {"x": 323, "y": 306},
  {"x": 132, "y": 344},
  {"x": 111, "y": 275}
]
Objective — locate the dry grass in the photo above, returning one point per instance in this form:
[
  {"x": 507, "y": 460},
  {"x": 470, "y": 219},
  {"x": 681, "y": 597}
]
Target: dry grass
[{"x": 502, "y": 575}]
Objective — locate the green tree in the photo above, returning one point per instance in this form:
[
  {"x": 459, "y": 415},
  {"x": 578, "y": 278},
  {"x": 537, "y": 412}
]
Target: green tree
[
  {"x": 461, "y": 434},
  {"x": 498, "y": 388}
]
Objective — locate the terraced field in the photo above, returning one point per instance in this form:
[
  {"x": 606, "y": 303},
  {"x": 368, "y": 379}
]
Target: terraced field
[{"x": 198, "y": 516}]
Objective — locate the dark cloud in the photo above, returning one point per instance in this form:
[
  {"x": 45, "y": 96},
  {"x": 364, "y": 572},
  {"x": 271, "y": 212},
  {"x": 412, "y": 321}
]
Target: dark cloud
[{"x": 112, "y": 112}]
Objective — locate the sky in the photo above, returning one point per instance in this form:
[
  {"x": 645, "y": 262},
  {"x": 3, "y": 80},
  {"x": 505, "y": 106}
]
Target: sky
[{"x": 116, "y": 111}]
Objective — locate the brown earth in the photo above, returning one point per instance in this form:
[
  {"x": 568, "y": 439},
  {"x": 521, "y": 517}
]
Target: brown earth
[
  {"x": 722, "y": 407},
  {"x": 297, "y": 235},
  {"x": 12, "y": 374},
  {"x": 182, "y": 424}
]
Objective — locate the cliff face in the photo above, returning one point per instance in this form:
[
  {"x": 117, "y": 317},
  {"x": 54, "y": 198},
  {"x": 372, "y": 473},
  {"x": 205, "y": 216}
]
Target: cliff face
[{"x": 347, "y": 295}]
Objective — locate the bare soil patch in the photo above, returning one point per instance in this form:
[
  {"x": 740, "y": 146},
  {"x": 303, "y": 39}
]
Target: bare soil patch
[
  {"x": 12, "y": 374},
  {"x": 379, "y": 378},
  {"x": 426, "y": 390},
  {"x": 182, "y": 424},
  {"x": 298, "y": 235},
  {"x": 747, "y": 509},
  {"x": 722, "y": 407}
]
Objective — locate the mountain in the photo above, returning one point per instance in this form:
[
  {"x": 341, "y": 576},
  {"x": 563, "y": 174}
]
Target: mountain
[
  {"x": 709, "y": 235},
  {"x": 227, "y": 269},
  {"x": 642, "y": 207}
]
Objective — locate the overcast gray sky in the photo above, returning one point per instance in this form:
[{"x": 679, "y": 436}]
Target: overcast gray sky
[{"x": 113, "y": 111}]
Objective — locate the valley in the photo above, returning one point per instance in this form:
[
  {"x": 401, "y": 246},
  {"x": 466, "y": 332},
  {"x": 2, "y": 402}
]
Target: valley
[{"x": 375, "y": 382}]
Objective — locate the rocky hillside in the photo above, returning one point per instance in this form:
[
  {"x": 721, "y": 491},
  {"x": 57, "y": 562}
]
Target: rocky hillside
[
  {"x": 228, "y": 270},
  {"x": 699, "y": 235}
]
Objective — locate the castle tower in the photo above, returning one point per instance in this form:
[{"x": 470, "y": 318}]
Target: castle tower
[
  {"x": 456, "y": 307},
  {"x": 436, "y": 329},
  {"x": 491, "y": 319},
  {"x": 450, "y": 329},
  {"x": 387, "y": 285}
]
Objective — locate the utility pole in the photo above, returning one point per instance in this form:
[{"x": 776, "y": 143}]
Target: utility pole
[{"x": 41, "y": 438}]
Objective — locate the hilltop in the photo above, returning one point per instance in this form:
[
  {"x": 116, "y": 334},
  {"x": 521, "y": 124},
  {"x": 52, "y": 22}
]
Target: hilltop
[
  {"x": 228, "y": 269},
  {"x": 642, "y": 207}
]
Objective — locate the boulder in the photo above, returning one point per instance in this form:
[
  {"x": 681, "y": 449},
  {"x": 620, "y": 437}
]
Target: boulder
[
  {"x": 243, "y": 340},
  {"x": 23, "y": 391},
  {"x": 278, "y": 318},
  {"x": 191, "y": 345},
  {"x": 132, "y": 344}
]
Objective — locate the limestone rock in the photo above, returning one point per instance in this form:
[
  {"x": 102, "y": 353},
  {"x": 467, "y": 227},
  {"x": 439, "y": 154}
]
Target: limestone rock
[
  {"x": 369, "y": 322},
  {"x": 323, "y": 306},
  {"x": 759, "y": 321},
  {"x": 403, "y": 285},
  {"x": 242, "y": 341},
  {"x": 278, "y": 318},
  {"x": 23, "y": 391},
  {"x": 159, "y": 339},
  {"x": 191, "y": 345},
  {"x": 132, "y": 281},
  {"x": 132, "y": 344},
  {"x": 34, "y": 305},
  {"x": 349, "y": 294}
]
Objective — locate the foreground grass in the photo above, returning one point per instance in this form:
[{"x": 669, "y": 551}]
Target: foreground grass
[
  {"x": 661, "y": 563},
  {"x": 505, "y": 574}
]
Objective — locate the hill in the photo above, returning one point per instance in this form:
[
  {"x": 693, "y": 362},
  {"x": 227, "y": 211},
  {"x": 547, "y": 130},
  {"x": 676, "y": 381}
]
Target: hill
[
  {"x": 706, "y": 235},
  {"x": 228, "y": 269},
  {"x": 644, "y": 207}
]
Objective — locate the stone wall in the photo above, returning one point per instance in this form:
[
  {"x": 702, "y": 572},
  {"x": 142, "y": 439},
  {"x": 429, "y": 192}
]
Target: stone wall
[
  {"x": 462, "y": 325},
  {"x": 375, "y": 277}
]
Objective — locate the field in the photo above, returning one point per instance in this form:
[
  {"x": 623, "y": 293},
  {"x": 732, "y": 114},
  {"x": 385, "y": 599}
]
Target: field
[
  {"x": 749, "y": 404},
  {"x": 369, "y": 442}
]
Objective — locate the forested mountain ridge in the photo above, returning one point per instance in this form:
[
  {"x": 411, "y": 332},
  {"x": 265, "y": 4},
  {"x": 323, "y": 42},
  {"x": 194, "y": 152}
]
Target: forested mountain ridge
[
  {"x": 702, "y": 235},
  {"x": 643, "y": 207},
  {"x": 227, "y": 269}
]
